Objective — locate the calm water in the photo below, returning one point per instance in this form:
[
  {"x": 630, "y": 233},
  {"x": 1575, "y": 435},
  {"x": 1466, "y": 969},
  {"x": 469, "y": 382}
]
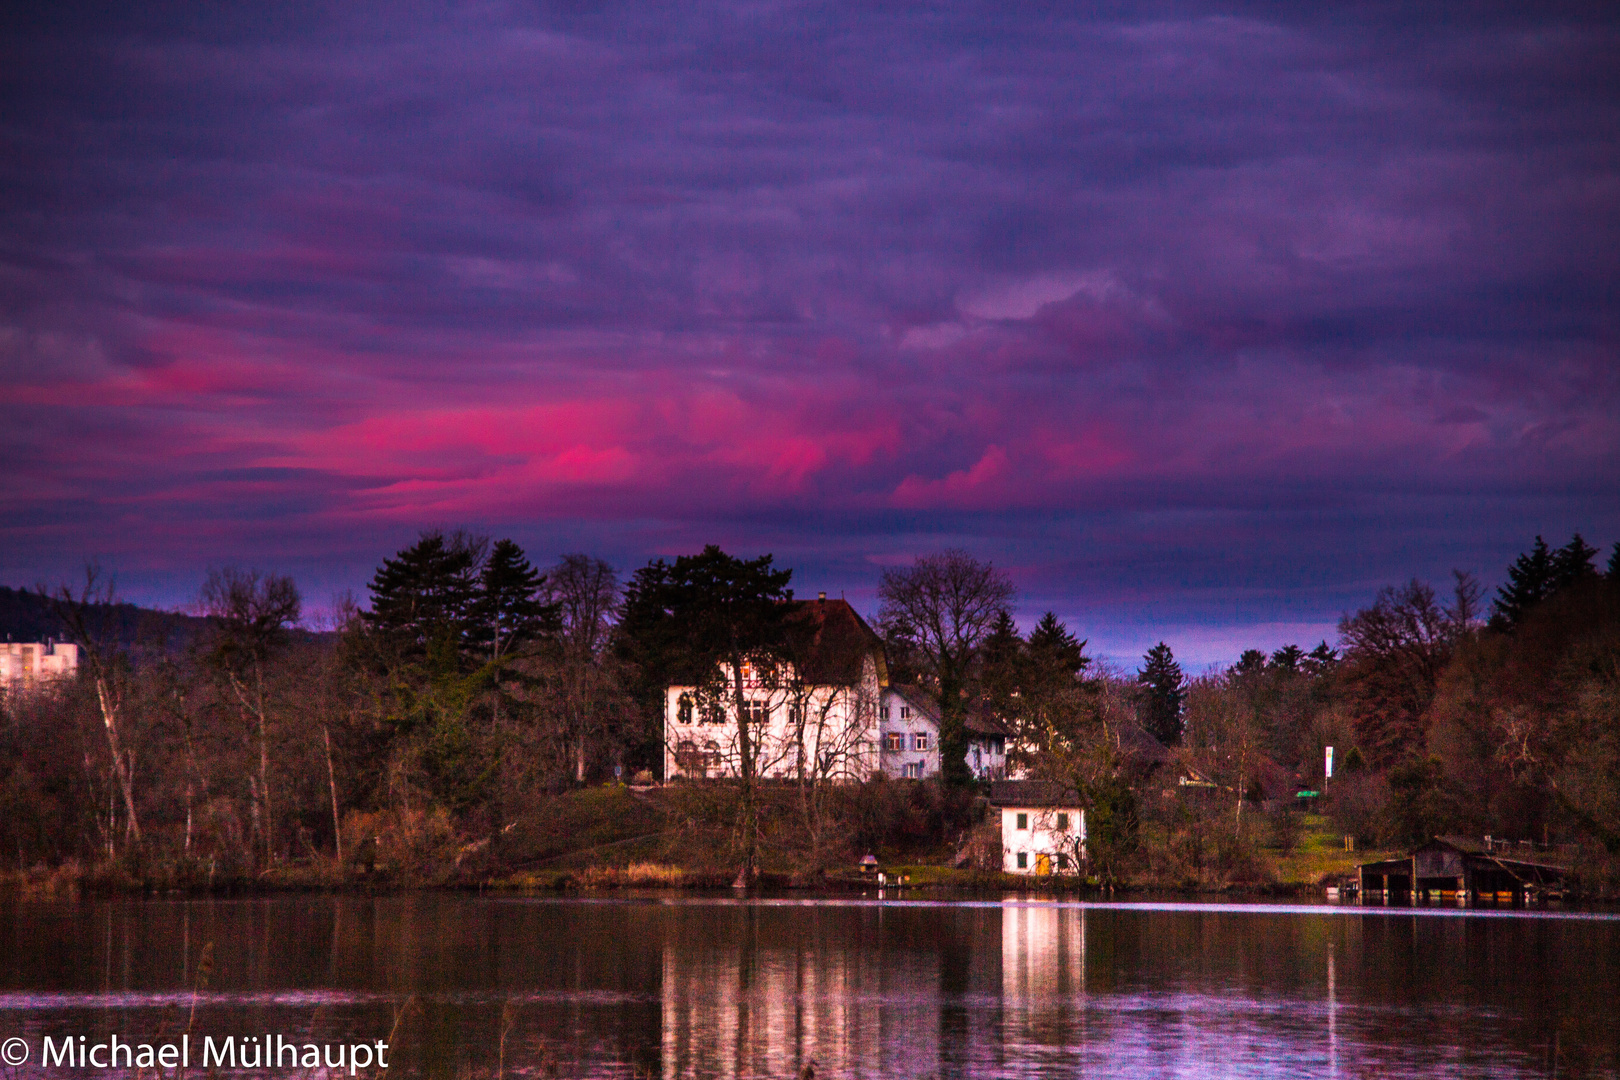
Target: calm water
[{"x": 716, "y": 987}]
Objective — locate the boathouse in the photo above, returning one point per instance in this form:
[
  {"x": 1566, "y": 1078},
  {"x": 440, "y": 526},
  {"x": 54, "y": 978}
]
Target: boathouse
[{"x": 1453, "y": 868}]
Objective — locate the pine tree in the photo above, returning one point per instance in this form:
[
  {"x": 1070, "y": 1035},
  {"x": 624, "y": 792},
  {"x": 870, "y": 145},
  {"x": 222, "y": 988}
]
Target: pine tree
[
  {"x": 1573, "y": 564},
  {"x": 1002, "y": 664},
  {"x": 423, "y": 598},
  {"x": 1161, "y": 694},
  {"x": 1052, "y": 648},
  {"x": 1288, "y": 658},
  {"x": 1614, "y": 562},
  {"x": 1529, "y": 582},
  {"x": 1321, "y": 660},
  {"x": 508, "y": 611}
]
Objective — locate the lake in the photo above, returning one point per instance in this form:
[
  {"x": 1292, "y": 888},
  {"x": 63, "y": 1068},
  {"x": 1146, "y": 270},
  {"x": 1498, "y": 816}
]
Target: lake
[{"x": 682, "y": 985}]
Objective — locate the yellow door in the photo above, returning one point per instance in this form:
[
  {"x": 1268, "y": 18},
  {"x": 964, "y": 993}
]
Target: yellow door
[{"x": 1043, "y": 865}]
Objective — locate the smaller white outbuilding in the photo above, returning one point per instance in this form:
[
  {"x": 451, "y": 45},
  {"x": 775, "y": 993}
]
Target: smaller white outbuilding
[{"x": 1043, "y": 827}]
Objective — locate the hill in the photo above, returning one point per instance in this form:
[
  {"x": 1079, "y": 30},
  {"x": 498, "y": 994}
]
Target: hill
[{"x": 27, "y": 616}]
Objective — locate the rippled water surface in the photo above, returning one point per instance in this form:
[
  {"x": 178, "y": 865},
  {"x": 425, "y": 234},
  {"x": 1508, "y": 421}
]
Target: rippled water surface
[{"x": 684, "y": 986}]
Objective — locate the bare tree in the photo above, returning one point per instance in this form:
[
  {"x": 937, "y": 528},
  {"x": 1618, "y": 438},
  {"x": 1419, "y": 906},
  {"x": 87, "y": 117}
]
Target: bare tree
[
  {"x": 944, "y": 606},
  {"x": 585, "y": 591},
  {"x": 252, "y": 613},
  {"x": 78, "y": 612}
]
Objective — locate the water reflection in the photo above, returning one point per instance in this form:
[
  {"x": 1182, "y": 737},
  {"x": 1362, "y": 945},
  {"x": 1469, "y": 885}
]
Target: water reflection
[{"x": 680, "y": 986}]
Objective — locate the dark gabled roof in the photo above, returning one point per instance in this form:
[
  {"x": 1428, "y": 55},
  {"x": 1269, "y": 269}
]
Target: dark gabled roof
[
  {"x": 828, "y": 642},
  {"x": 1457, "y": 843},
  {"x": 1034, "y": 793},
  {"x": 1137, "y": 742},
  {"x": 918, "y": 699}
]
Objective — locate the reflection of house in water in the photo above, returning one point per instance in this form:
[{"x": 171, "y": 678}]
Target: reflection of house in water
[
  {"x": 750, "y": 992},
  {"x": 734, "y": 1006},
  {"x": 1043, "y": 967}
]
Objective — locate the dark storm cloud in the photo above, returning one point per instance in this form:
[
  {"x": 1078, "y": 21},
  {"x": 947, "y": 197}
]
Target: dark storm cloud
[{"x": 1195, "y": 317}]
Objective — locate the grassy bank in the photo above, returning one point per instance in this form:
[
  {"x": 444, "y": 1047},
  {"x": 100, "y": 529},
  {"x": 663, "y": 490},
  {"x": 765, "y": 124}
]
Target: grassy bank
[{"x": 685, "y": 836}]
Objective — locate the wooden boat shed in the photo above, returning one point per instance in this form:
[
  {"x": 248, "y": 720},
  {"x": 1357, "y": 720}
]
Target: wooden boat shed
[{"x": 1451, "y": 867}]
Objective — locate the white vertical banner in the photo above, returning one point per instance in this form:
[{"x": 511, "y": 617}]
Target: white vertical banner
[{"x": 1329, "y": 773}]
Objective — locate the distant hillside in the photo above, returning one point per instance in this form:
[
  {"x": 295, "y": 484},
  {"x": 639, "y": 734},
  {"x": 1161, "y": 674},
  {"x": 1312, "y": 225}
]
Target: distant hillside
[{"x": 25, "y": 616}]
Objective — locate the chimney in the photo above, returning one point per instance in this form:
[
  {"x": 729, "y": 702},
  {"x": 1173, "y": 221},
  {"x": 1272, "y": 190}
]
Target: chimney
[{"x": 821, "y": 596}]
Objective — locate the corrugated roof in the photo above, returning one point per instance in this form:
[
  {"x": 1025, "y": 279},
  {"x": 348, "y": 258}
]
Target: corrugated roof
[{"x": 1034, "y": 793}]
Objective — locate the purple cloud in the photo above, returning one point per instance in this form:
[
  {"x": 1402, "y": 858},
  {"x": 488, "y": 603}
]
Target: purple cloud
[{"x": 1194, "y": 317}]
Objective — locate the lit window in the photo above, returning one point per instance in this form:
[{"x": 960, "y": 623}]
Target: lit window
[
  {"x": 1023, "y": 823},
  {"x": 897, "y": 742},
  {"x": 919, "y": 741},
  {"x": 1023, "y": 857}
]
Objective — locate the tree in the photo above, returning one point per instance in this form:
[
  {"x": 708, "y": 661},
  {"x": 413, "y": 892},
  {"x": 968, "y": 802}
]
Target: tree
[
  {"x": 1541, "y": 573},
  {"x": 1573, "y": 564},
  {"x": 1613, "y": 572},
  {"x": 944, "y": 606},
  {"x": 716, "y": 618},
  {"x": 78, "y": 613},
  {"x": 507, "y": 610},
  {"x": 1163, "y": 689},
  {"x": 252, "y": 614},
  {"x": 1394, "y": 653},
  {"x": 584, "y": 591},
  {"x": 422, "y": 599},
  {"x": 1529, "y": 581}
]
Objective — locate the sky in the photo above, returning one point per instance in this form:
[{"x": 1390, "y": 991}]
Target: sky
[{"x": 1204, "y": 322}]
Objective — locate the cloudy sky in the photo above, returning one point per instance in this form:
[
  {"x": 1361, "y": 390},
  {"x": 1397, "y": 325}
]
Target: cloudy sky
[{"x": 1202, "y": 321}]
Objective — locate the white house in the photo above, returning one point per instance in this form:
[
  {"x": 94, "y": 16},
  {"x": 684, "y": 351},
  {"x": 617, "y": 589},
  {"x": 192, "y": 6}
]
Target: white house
[
  {"x": 908, "y": 734},
  {"x": 986, "y": 748},
  {"x": 812, "y": 713},
  {"x": 24, "y": 665},
  {"x": 1043, "y": 827}
]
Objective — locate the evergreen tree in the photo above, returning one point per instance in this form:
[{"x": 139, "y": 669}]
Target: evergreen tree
[
  {"x": 1529, "y": 582},
  {"x": 1288, "y": 658},
  {"x": 1052, "y": 648},
  {"x": 1573, "y": 564},
  {"x": 1614, "y": 562},
  {"x": 1002, "y": 672},
  {"x": 1162, "y": 689},
  {"x": 507, "y": 610},
  {"x": 422, "y": 599},
  {"x": 1251, "y": 663},
  {"x": 1320, "y": 661}
]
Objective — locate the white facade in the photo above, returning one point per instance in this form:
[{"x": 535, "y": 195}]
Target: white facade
[
  {"x": 1042, "y": 839},
  {"x": 908, "y": 737},
  {"x": 825, "y": 732},
  {"x": 987, "y": 755},
  {"x": 23, "y": 665}
]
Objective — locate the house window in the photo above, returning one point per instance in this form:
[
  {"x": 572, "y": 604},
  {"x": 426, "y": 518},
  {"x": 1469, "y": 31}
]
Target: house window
[
  {"x": 1023, "y": 823},
  {"x": 913, "y": 770},
  {"x": 1062, "y": 861},
  {"x": 905, "y": 712},
  {"x": 756, "y": 711},
  {"x": 978, "y": 757},
  {"x": 919, "y": 741},
  {"x": 897, "y": 742},
  {"x": 1063, "y": 823},
  {"x": 796, "y": 712},
  {"x": 683, "y": 709},
  {"x": 1023, "y": 857}
]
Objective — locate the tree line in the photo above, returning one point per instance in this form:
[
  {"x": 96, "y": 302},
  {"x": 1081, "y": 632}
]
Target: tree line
[{"x": 473, "y": 685}]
